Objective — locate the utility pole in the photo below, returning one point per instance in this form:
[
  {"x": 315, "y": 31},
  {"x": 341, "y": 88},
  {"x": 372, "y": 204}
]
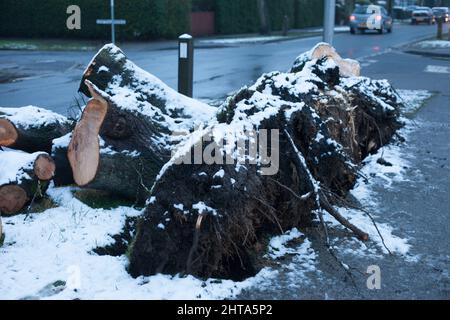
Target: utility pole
[{"x": 328, "y": 21}]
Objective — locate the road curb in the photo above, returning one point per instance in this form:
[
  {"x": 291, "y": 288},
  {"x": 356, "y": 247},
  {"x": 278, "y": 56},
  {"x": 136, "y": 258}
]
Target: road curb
[{"x": 428, "y": 53}]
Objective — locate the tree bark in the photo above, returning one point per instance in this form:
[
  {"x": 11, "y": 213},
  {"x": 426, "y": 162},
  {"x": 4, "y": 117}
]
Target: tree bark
[
  {"x": 29, "y": 181},
  {"x": 31, "y": 129},
  {"x": 128, "y": 129}
]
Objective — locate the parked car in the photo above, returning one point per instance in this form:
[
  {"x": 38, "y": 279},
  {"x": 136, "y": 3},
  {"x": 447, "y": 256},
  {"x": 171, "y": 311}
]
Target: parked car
[
  {"x": 411, "y": 8},
  {"x": 370, "y": 18},
  {"x": 441, "y": 12},
  {"x": 423, "y": 15}
]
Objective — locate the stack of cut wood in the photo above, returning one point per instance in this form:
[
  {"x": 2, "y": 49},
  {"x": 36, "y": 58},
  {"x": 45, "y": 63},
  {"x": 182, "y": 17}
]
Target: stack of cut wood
[{"x": 26, "y": 136}]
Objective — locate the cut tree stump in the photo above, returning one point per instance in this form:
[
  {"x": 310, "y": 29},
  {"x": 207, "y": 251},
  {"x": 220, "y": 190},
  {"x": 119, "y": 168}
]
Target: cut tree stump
[
  {"x": 31, "y": 129},
  {"x": 128, "y": 129},
  {"x": 26, "y": 178},
  {"x": 347, "y": 67}
]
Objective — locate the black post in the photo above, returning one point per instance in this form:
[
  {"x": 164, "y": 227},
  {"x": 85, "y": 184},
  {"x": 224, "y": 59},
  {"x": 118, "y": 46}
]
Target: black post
[
  {"x": 440, "y": 22},
  {"x": 185, "y": 65}
]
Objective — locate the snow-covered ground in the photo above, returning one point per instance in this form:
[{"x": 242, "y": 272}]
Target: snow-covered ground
[
  {"x": 242, "y": 40},
  {"x": 433, "y": 44},
  {"x": 262, "y": 39},
  {"x": 50, "y": 255}
]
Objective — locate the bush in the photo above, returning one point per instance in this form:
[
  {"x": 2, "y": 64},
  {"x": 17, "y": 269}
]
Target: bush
[
  {"x": 308, "y": 13},
  {"x": 236, "y": 16},
  {"x": 146, "y": 19}
]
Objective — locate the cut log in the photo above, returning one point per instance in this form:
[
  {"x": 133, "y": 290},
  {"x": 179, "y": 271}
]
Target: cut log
[
  {"x": 63, "y": 174},
  {"x": 214, "y": 220},
  {"x": 84, "y": 149},
  {"x": 347, "y": 67},
  {"x": 31, "y": 129},
  {"x": 138, "y": 119},
  {"x": 24, "y": 177}
]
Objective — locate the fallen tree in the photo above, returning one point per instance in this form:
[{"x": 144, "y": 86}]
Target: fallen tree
[
  {"x": 25, "y": 179},
  {"x": 213, "y": 219},
  {"x": 137, "y": 118},
  {"x": 31, "y": 129}
]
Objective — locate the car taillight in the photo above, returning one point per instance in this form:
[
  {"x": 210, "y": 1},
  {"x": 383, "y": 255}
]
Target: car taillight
[
  {"x": 378, "y": 18},
  {"x": 352, "y": 18}
]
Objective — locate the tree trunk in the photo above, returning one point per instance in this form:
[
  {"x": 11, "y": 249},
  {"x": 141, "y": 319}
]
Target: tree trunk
[
  {"x": 27, "y": 178},
  {"x": 31, "y": 129},
  {"x": 137, "y": 118},
  {"x": 213, "y": 220}
]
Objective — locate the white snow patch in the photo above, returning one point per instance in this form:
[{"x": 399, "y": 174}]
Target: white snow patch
[
  {"x": 31, "y": 116},
  {"x": 219, "y": 174},
  {"x": 437, "y": 69},
  {"x": 13, "y": 163},
  {"x": 433, "y": 44},
  {"x": 277, "y": 246},
  {"x": 413, "y": 99},
  {"x": 179, "y": 206},
  {"x": 103, "y": 69},
  {"x": 201, "y": 207}
]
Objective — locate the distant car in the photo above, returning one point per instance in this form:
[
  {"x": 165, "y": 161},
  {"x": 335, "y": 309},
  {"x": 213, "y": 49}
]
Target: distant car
[
  {"x": 423, "y": 15},
  {"x": 411, "y": 8},
  {"x": 370, "y": 18},
  {"x": 441, "y": 12}
]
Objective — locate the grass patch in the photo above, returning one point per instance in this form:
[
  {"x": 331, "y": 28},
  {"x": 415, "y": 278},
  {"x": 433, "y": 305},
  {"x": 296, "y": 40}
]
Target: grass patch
[
  {"x": 98, "y": 199},
  {"x": 48, "y": 44}
]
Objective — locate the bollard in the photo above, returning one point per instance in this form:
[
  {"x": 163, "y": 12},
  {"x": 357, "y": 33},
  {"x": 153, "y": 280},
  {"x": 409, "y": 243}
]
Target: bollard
[
  {"x": 185, "y": 64},
  {"x": 439, "y": 28}
]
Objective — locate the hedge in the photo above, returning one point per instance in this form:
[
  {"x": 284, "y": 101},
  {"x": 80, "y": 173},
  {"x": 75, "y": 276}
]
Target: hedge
[
  {"x": 236, "y": 16},
  {"x": 146, "y": 19},
  {"x": 149, "y": 19},
  {"x": 241, "y": 16}
]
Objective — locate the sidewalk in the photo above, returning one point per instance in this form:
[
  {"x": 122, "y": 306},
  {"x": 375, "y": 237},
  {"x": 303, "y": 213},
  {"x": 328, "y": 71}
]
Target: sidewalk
[
  {"x": 430, "y": 48},
  {"x": 215, "y": 41}
]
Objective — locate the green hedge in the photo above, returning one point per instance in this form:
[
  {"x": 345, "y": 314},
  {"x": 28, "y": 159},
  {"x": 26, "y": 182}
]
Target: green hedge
[
  {"x": 236, "y": 16},
  {"x": 146, "y": 19},
  {"x": 241, "y": 16},
  {"x": 149, "y": 19},
  {"x": 308, "y": 13}
]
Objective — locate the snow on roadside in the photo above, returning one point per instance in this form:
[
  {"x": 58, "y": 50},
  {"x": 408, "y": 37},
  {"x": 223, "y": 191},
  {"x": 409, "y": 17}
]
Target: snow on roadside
[
  {"x": 242, "y": 40},
  {"x": 392, "y": 171},
  {"x": 433, "y": 44},
  {"x": 413, "y": 99}
]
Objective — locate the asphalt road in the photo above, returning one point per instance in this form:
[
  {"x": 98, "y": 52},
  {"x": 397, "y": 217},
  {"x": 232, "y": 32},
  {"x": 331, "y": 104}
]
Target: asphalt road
[{"x": 50, "y": 79}]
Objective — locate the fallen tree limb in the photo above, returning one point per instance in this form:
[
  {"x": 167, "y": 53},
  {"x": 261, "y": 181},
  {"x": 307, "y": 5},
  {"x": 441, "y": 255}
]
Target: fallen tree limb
[
  {"x": 137, "y": 119},
  {"x": 31, "y": 129}
]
